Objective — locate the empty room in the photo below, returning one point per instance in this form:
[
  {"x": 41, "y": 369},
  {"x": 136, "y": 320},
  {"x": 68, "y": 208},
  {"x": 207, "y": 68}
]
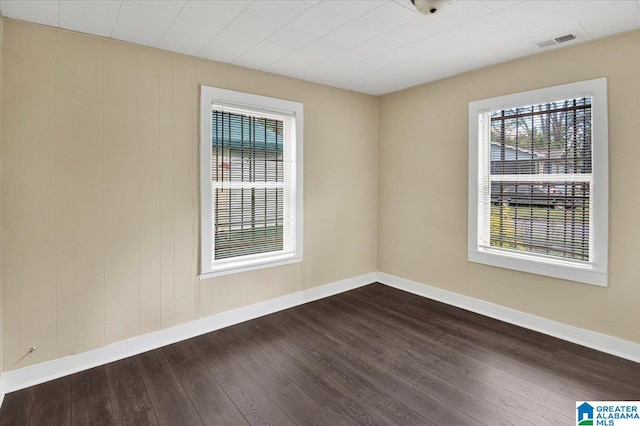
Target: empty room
[{"x": 327, "y": 212}]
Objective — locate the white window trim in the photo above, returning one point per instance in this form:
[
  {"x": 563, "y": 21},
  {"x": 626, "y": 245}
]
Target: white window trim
[
  {"x": 596, "y": 273},
  {"x": 209, "y": 96}
]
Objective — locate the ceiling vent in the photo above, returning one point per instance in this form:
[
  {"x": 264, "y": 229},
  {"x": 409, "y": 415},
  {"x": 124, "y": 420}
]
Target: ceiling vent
[
  {"x": 557, "y": 40},
  {"x": 565, "y": 38}
]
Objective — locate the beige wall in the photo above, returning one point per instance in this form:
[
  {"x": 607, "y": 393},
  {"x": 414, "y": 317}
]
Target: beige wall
[
  {"x": 100, "y": 201},
  {"x": 1, "y": 193},
  {"x": 100, "y": 191},
  {"x": 422, "y": 213}
]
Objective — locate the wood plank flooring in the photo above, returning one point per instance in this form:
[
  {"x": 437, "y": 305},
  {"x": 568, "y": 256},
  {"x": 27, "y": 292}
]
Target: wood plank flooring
[{"x": 371, "y": 356}]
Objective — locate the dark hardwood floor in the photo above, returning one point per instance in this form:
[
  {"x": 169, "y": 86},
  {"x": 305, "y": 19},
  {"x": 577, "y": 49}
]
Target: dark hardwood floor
[{"x": 371, "y": 356}]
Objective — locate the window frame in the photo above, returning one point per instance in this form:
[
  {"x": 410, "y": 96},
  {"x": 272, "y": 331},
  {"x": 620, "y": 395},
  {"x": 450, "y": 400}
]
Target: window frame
[
  {"x": 596, "y": 271},
  {"x": 257, "y": 103}
]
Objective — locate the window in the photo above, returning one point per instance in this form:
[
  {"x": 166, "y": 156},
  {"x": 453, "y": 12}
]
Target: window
[
  {"x": 538, "y": 181},
  {"x": 251, "y": 181}
]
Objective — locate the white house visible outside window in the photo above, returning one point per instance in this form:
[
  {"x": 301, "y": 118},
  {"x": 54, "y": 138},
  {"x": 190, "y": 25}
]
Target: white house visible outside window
[
  {"x": 538, "y": 187},
  {"x": 251, "y": 181}
]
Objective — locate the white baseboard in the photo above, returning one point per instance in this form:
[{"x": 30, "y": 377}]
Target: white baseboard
[
  {"x": 24, "y": 377},
  {"x": 591, "y": 339},
  {"x": 28, "y": 376}
]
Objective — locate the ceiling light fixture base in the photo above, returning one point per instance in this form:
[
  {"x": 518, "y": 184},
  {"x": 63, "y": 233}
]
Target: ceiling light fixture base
[{"x": 429, "y": 7}]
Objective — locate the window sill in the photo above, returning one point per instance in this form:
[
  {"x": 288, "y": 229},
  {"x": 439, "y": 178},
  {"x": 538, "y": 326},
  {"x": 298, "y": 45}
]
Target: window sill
[
  {"x": 584, "y": 275},
  {"x": 237, "y": 267}
]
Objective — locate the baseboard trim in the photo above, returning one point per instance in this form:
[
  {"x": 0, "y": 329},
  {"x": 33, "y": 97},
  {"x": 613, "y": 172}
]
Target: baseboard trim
[
  {"x": 591, "y": 339},
  {"x": 35, "y": 374},
  {"x": 39, "y": 373}
]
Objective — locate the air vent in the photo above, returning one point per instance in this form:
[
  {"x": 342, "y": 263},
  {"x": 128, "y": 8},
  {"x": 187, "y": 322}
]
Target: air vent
[
  {"x": 565, "y": 38},
  {"x": 557, "y": 40}
]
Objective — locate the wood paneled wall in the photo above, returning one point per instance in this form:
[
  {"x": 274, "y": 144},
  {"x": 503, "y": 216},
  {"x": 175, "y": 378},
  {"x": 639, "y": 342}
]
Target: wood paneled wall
[{"x": 100, "y": 200}]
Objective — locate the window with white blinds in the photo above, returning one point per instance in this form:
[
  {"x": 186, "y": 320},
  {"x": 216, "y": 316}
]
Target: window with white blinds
[
  {"x": 538, "y": 181},
  {"x": 251, "y": 182}
]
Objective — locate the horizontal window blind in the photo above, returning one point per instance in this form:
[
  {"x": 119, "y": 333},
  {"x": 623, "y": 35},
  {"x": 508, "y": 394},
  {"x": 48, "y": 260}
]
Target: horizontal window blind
[
  {"x": 536, "y": 180},
  {"x": 253, "y": 184}
]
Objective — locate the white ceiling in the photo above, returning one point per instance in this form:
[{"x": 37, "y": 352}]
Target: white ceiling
[{"x": 368, "y": 46}]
